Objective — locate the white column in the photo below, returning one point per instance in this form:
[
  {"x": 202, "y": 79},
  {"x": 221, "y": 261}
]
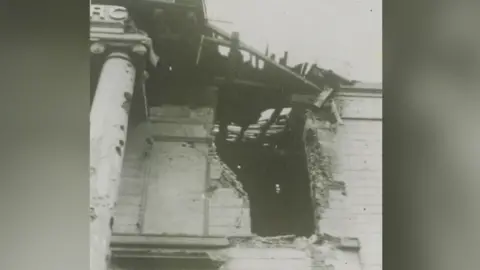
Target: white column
[{"x": 108, "y": 132}]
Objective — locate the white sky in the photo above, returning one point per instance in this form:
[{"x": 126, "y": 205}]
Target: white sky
[{"x": 342, "y": 35}]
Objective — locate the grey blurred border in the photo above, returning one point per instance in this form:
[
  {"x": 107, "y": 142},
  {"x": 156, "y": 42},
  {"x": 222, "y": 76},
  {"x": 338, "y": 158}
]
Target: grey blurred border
[
  {"x": 403, "y": 243},
  {"x": 44, "y": 136}
]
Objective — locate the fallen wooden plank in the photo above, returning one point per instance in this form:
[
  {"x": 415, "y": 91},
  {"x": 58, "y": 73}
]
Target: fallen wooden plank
[{"x": 322, "y": 97}]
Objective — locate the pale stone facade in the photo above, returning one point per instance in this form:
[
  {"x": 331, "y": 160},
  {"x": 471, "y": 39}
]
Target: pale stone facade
[
  {"x": 359, "y": 166},
  {"x": 352, "y": 208}
]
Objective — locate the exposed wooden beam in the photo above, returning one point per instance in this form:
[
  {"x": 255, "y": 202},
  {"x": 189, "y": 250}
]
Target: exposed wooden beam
[
  {"x": 271, "y": 120},
  {"x": 308, "y": 85},
  {"x": 235, "y": 57},
  {"x": 221, "y": 80},
  {"x": 283, "y": 61},
  {"x": 225, "y": 35},
  {"x": 322, "y": 97},
  {"x": 303, "y": 72},
  {"x": 315, "y": 101}
]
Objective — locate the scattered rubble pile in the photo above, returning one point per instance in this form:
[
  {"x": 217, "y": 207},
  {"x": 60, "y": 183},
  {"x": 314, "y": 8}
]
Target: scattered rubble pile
[
  {"x": 318, "y": 137},
  {"x": 253, "y": 130},
  {"x": 256, "y": 241},
  {"x": 320, "y": 152}
]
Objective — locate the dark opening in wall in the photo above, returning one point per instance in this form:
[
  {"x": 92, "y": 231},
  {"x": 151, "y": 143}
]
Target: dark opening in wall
[
  {"x": 276, "y": 178},
  {"x": 274, "y": 175}
]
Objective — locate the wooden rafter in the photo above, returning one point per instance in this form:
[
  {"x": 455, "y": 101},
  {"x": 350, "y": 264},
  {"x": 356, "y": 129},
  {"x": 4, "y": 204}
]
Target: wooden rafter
[
  {"x": 319, "y": 95},
  {"x": 270, "y": 122},
  {"x": 308, "y": 85}
]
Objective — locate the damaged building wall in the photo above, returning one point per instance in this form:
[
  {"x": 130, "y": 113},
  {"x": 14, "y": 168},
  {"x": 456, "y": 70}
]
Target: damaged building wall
[
  {"x": 276, "y": 182},
  {"x": 275, "y": 253},
  {"x": 167, "y": 180},
  {"x": 345, "y": 167},
  {"x": 335, "y": 245},
  {"x": 229, "y": 212},
  {"x": 280, "y": 258},
  {"x": 133, "y": 182},
  {"x": 345, "y": 164},
  {"x": 357, "y": 172},
  {"x": 334, "y": 248},
  {"x": 286, "y": 253}
]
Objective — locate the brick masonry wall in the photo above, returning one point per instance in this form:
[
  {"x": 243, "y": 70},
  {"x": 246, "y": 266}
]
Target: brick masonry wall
[{"x": 352, "y": 210}]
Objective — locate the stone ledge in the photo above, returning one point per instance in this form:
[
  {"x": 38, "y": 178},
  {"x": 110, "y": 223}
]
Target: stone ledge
[{"x": 151, "y": 240}]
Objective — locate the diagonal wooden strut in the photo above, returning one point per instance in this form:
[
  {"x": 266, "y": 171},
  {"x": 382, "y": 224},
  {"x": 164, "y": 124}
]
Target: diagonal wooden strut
[{"x": 321, "y": 94}]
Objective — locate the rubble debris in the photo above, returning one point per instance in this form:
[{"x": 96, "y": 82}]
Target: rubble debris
[
  {"x": 256, "y": 241},
  {"x": 320, "y": 153},
  {"x": 228, "y": 178}
]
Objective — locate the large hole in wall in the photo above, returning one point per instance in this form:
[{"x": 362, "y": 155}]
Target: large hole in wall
[
  {"x": 276, "y": 178},
  {"x": 275, "y": 175}
]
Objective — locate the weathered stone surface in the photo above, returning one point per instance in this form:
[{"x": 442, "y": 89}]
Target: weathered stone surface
[
  {"x": 127, "y": 210},
  {"x": 349, "y": 154},
  {"x": 267, "y": 259},
  {"x": 176, "y": 190},
  {"x": 358, "y": 146}
]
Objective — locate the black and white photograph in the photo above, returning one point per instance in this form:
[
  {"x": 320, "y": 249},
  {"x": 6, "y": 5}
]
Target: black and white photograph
[
  {"x": 236, "y": 135},
  {"x": 240, "y": 135}
]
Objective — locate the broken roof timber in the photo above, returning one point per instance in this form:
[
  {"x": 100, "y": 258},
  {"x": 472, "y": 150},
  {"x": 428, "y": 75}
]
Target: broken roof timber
[
  {"x": 319, "y": 71},
  {"x": 312, "y": 87},
  {"x": 253, "y": 84},
  {"x": 322, "y": 97},
  {"x": 226, "y": 36},
  {"x": 322, "y": 94}
]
